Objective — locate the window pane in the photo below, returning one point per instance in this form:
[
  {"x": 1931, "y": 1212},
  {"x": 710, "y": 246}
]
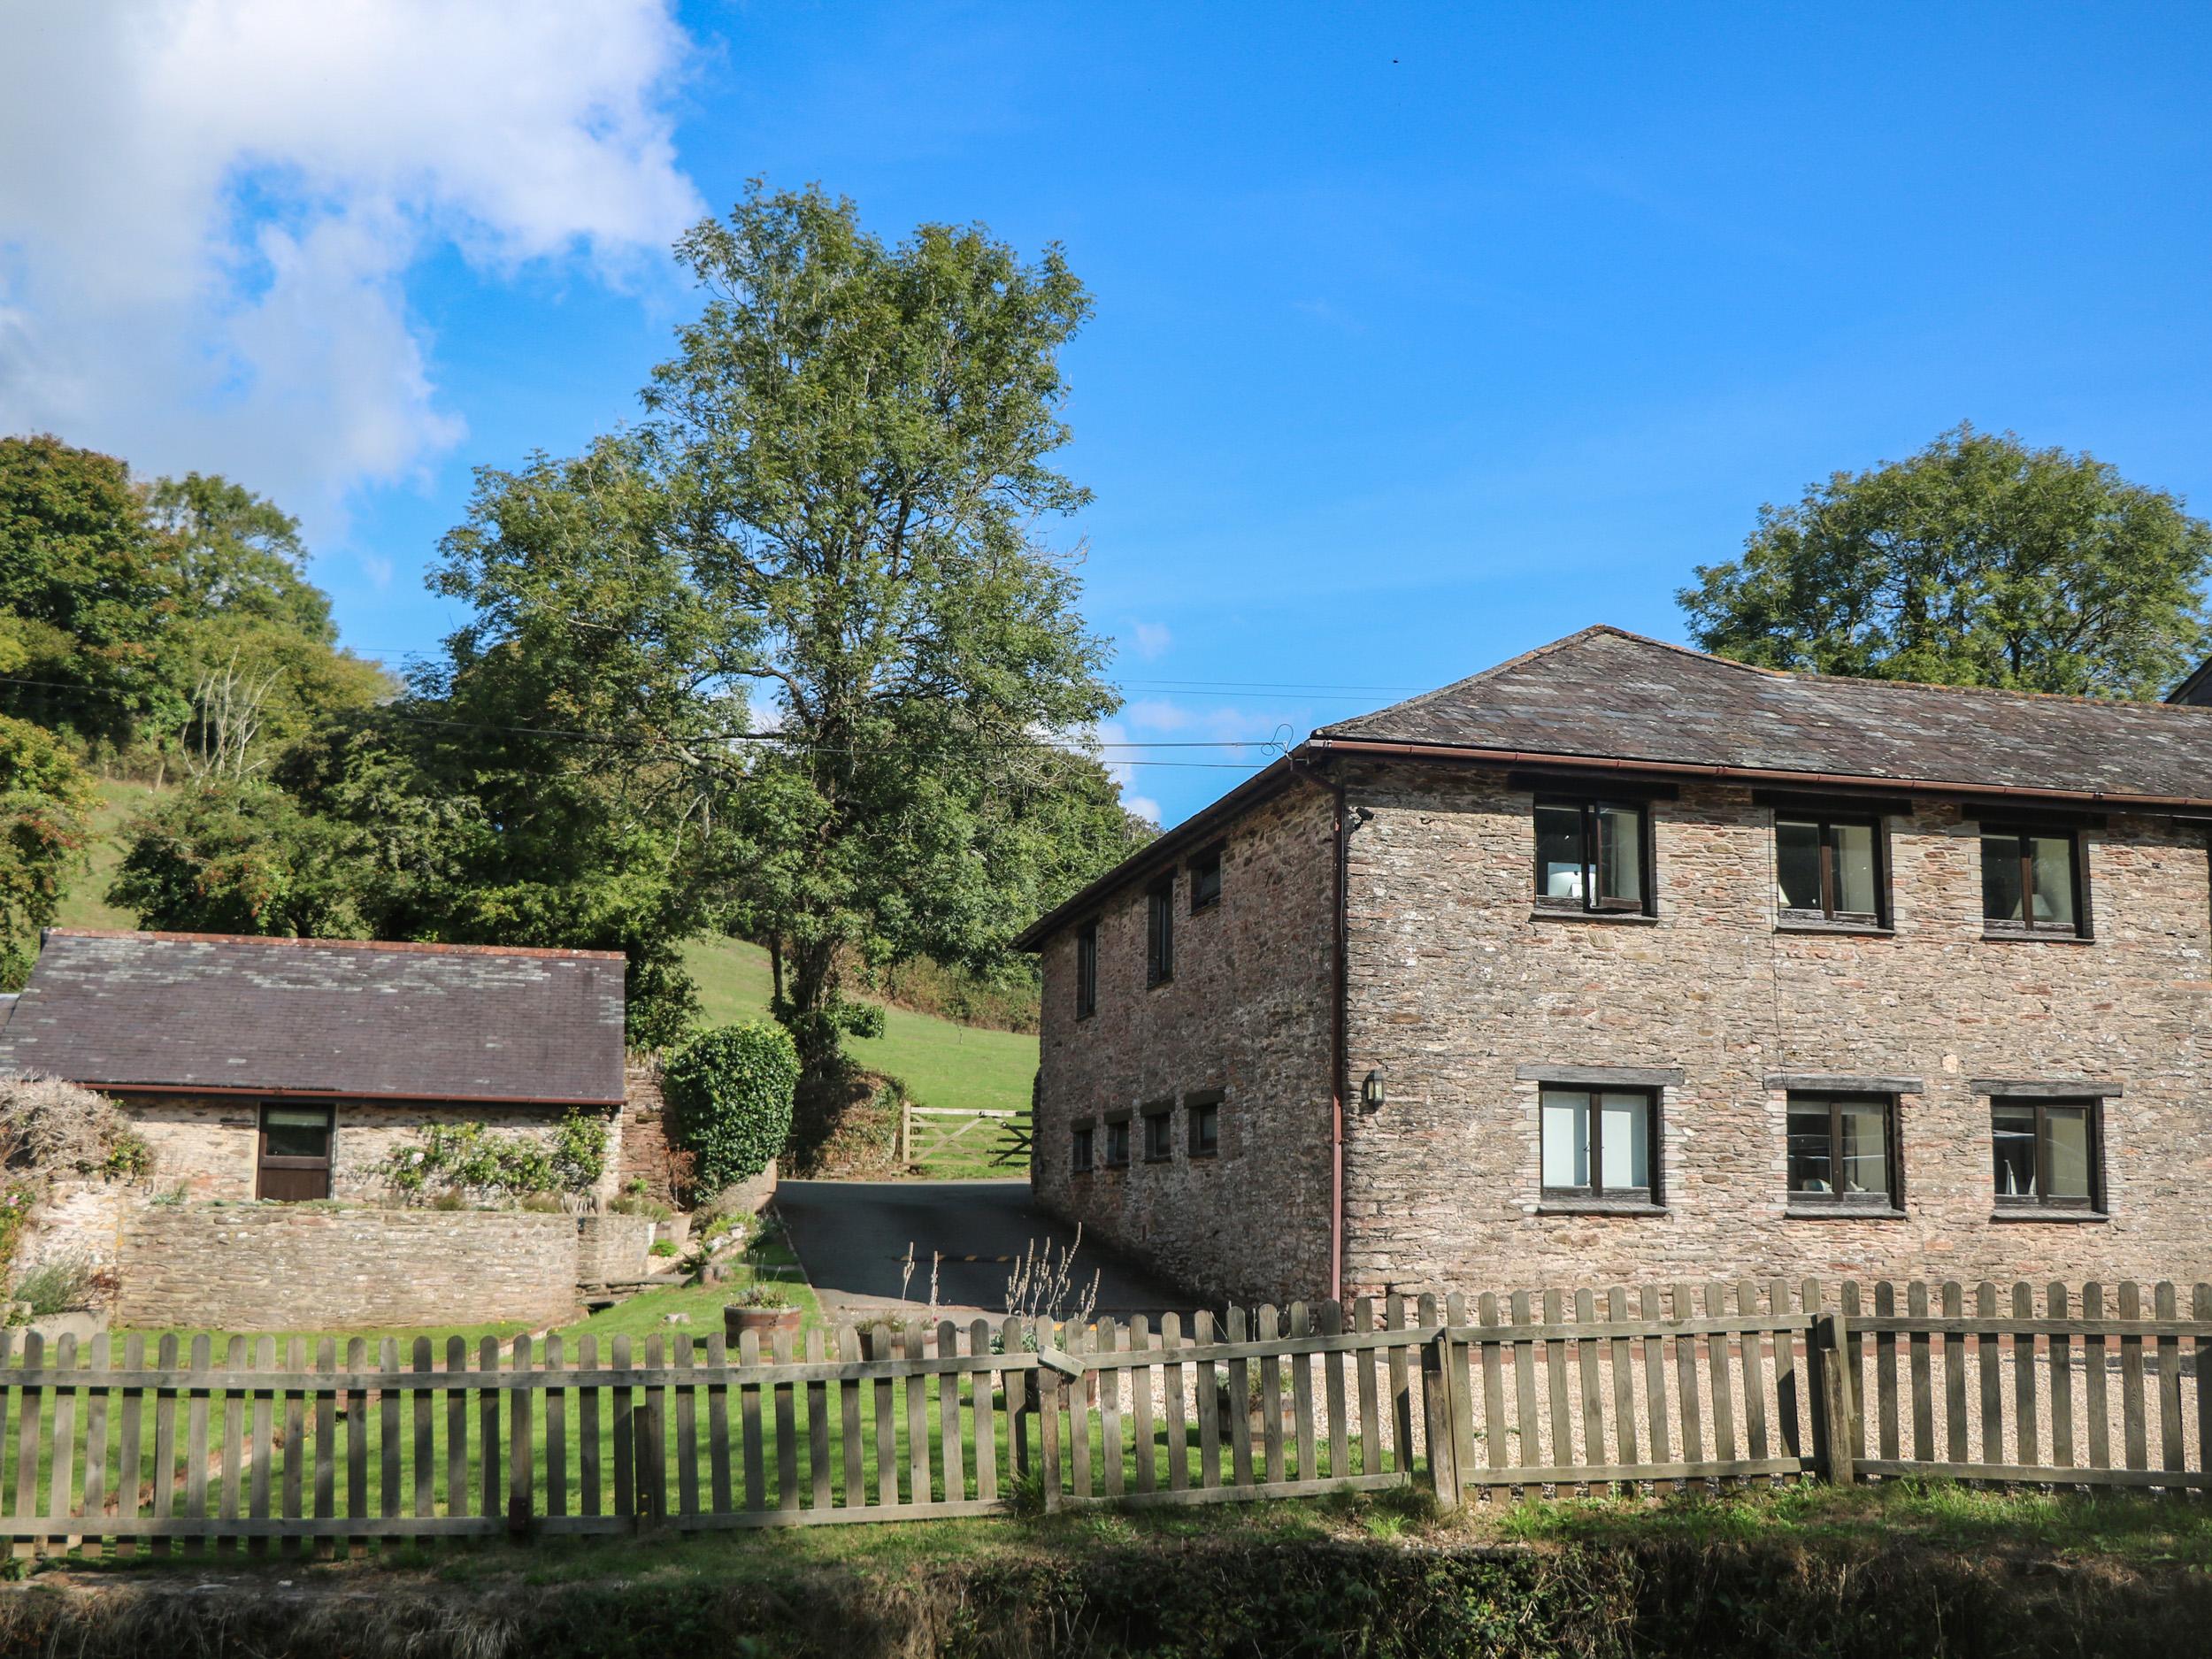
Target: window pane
[
  {"x": 1625, "y": 1135},
  {"x": 1620, "y": 854},
  {"x": 1809, "y": 1171},
  {"x": 1855, "y": 868},
  {"x": 296, "y": 1134},
  {"x": 2000, "y": 877},
  {"x": 1082, "y": 1149},
  {"x": 1863, "y": 1158},
  {"x": 2013, "y": 1137},
  {"x": 1566, "y": 1139},
  {"x": 2054, "y": 879},
  {"x": 1559, "y": 852},
  {"x": 2067, "y": 1127},
  {"x": 1205, "y": 1128},
  {"x": 1797, "y": 864}
]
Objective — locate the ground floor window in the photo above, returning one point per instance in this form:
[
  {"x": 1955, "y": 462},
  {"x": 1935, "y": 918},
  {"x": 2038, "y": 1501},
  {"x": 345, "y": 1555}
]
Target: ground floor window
[
  {"x": 1843, "y": 1150},
  {"x": 2047, "y": 1153},
  {"x": 1083, "y": 1134},
  {"x": 1205, "y": 1124},
  {"x": 1597, "y": 1143},
  {"x": 1117, "y": 1144},
  {"x": 295, "y": 1162}
]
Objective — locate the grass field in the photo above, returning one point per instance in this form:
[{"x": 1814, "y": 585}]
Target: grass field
[{"x": 942, "y": 1063}]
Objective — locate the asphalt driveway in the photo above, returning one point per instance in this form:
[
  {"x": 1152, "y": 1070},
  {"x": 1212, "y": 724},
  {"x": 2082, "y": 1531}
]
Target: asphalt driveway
[{"x": 853, "y": 1238}]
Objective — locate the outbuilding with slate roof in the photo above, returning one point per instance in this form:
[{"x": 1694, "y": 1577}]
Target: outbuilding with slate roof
[
  {"x": 1621, "y": 962},
  {"x": 291, "y": 1069}
]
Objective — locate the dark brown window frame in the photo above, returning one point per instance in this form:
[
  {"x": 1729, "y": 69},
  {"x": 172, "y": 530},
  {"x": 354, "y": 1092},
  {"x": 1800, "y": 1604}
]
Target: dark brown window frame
[
  {"x": 1087, "y": 970},
  {"x": 1083, "y": 1148},
  {"x": 264, "y": 1162},
  {"x": 1205, "y": 1104},
  {"x": 2076, "y": 841},
  {"x": 1159, "y": 1121},
  {"x": 1828, "y": 915},
  {"x": 1848, "y": 1204},
  {"x": 1203, "y": 864},
  {"x": 1590, "y": 904},
  {"x": 1159, "y": 932},
  {"x": 2093, "y": 1203},
  {"x": 1637, "y": 1197}
]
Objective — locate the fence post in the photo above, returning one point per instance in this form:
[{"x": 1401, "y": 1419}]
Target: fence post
[
  {"x": 1440, "y": 1414},
  {"x": 903, "y": 1154},
  {"x": 1836, "y": 1424}
]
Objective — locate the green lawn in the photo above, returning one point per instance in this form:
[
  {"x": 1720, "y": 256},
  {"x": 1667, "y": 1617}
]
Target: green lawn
[
  {"x": 942, "y": 1063},
  {"x": 86, "y": 905}
]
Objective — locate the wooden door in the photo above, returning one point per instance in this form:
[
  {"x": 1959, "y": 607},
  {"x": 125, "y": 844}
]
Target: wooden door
[{"x": 295, "y": 1162}]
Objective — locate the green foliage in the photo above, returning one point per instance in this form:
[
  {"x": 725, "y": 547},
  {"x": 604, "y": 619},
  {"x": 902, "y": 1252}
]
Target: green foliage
[
  {"x": 732, "y": 1090},
  {"x": 454, "y": 1161},
  {"x": 661, "y": 1247},
  {"x": 1978, "y": 561},
  {"x": 45, "y": 803},
  {"x": 56, "y": 1286},
  {"x": 244, "y": 859},
  {"x": 854, "y": 439}
]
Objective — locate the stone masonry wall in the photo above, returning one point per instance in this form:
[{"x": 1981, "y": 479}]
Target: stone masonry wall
[
  {"x": 276, "y": 1267},
  {"x": 646, "y": 1154},
  {"x": 209, "y": 1144},
  {"x": 1248, "y": 1012},
  {"x": 1455, "y": 985}
]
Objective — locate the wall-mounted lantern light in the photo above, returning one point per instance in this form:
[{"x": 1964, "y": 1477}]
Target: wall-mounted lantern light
[{"x": 1371, "y": 1093}]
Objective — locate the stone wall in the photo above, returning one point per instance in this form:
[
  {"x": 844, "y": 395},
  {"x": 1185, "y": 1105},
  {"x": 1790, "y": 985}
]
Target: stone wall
[
  {"x": 1457, "y": 988},
  {"x": 1247, "y": 1012},
  {"x": 611, "y": 1249},
  {"x": 81, "y": 1221},
  {"x": 646, "y": 1154},
  {"x": 290, "y": 1267},
  {"x": 209, "y": 1144},
  {"x": 1457, "y": 985}
]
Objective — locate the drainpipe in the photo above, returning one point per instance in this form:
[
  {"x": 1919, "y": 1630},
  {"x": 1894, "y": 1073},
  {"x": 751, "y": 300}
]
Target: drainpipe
[{"x": 1337, "y": 1073}]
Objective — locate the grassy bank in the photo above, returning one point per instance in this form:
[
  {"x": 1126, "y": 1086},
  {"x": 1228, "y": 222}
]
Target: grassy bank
[{"x": 1900, "y": 1572}]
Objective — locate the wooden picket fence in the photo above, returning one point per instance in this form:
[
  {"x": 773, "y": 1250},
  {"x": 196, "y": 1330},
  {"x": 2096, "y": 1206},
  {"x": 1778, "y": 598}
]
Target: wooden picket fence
[{"x": 1650, "y": 1391}]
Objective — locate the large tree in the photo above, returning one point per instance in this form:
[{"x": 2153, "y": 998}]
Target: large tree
[
  {"x": 1979, "y": 561},
  {"x": 855, "y": 436}
]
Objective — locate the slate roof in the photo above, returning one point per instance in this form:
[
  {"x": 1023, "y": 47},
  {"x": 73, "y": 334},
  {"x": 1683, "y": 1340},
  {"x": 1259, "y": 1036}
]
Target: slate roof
[
  {"x": 205, "y": 1012},
  {"x": 1605, "y": 693}
]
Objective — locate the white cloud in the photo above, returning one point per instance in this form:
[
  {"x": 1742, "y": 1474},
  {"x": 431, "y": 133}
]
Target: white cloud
[
  {"x": 1143, "y": 805},
  {"x": 1153, "y": 639},
  {"x": 211, "y": 207}
]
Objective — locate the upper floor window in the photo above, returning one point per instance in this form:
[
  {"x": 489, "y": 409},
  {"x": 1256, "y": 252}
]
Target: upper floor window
[
  {"x": 1593, "y": 856},
  {"x": 1842, "y": 1151},
  {"x": 1159, "y": 934},
  {"x": 1118, "y": 1143},
  {"x": 1205, "y": 880},
  {"x": 2032, "y": 881},
  {"x": 1087, "y": 971},
  {"x": 1597, "y": 1143},
  {"x": 1159, "y": 1136},
  {"x": 1828, "y": 870},
  {"x": 2048, "y": 1154},
  {"x": 1205, "y": 1123}
]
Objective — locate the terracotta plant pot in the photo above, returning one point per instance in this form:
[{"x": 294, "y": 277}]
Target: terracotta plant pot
[{"x": 737, "y": 1320}]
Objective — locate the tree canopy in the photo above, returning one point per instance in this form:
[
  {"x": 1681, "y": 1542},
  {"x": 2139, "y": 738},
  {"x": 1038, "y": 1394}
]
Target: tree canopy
[
  {"x": 45, "y": 803},
  {"x": 1979, "y": 561},
  {"x": 854, "y": 438}
]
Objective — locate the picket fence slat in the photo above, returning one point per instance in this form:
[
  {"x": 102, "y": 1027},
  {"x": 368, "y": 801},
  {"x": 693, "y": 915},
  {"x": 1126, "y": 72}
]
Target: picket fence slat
[{"x": 1560, "y": 1390}]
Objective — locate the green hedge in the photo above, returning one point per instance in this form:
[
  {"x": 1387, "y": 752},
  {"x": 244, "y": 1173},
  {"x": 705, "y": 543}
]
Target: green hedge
[{"x": 731, "y": 1091}]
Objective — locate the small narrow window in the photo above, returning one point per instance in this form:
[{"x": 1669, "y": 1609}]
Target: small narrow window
[
  {"x": 1205, "y": 1125},
  {"x": 1842, "y": 1151},
  {"x": 2048, "y": 1154},
  {"x": 1083, "y": 1143},
  {"x": 1087, "y": 971},
  {"x": 1159, "y": 934},
  {"x": 1159, "y": 1140},
  {"x": 1598, "y": 1144},
  {"x": 1829, "y": 869},
  {"x": 2032, "y": 882},
  {"x": 1205, "y": 880},
  {"x": 1117, "y": 1144},
  {"x": 1593, "y": 856}
]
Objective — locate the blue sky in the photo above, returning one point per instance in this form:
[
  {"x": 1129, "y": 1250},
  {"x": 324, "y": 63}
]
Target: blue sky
[{"x": 1422, "y": 336}]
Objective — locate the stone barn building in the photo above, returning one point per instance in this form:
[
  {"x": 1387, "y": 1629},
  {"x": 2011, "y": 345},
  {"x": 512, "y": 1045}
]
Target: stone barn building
[
  {"x": 1620, "y": 962},
  {"x": 289, "y": 1069}
]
